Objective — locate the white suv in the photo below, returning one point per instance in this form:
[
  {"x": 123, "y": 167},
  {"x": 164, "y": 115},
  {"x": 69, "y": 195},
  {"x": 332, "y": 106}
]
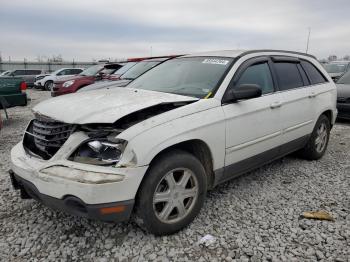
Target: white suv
[
  {"x": 154, "y": 148},
  {"x": 46, "y": 82}
]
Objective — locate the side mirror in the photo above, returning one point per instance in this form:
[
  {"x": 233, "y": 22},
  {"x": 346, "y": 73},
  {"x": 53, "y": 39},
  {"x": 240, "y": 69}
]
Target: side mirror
[{"x": 245, "y": 91}]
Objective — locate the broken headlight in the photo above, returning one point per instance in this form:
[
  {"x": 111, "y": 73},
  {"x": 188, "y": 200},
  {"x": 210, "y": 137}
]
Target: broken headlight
[{"x": 99, "y": 151}]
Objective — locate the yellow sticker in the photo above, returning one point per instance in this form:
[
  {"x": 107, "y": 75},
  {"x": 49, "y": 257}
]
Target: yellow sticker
[{"x": 208, "y": 95}]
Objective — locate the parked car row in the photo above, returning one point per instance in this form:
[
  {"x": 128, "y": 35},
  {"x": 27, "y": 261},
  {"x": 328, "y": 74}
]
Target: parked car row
[{"x": 155, "y": 147}]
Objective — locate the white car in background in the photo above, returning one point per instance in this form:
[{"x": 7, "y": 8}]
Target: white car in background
[{"x": 46, "y": 82}]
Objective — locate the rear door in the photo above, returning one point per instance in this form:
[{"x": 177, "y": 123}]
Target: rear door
[
  {"x": 253, "y": 126},
  {"x": 297, "y": 110}
]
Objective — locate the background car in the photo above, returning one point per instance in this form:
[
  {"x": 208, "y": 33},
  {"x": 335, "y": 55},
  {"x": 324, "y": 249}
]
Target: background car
[
  {"x": 337, "y": 68},
  {"x": 46, "y": 81},
  {"x": 12, "y": 92},
  {"x": 343, "y": 96},
  {"x": 5, "y": 73},
  {"x": 27, "y": 74},
  {"x": 131, "y": 74},
  {"x": 94, "y": 73}
]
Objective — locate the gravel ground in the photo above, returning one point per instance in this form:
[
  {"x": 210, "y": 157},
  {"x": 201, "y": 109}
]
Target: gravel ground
[{"x": 253, "y": 218}]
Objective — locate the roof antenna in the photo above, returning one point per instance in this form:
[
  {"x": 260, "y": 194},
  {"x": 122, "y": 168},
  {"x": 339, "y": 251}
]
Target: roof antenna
[{"x": 308, "y": 40}]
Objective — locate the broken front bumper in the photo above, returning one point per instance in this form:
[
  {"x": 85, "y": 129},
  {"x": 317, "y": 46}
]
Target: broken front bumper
[{"x": 102, "y": 193}]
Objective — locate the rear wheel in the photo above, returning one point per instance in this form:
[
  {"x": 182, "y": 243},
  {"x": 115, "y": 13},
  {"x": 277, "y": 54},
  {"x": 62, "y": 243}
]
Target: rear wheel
[
  {"x": 172, "y": 194},
  {"x": 317, "y": 144},
  {"x": 48, "y": 85}
]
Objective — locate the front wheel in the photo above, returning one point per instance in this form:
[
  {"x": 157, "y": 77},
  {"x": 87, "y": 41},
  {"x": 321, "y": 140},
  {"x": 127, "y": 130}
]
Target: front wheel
[
  {"x": 318, "y": 141},
  {"x": 172, "y": 193},
  {"x": 48, "y": 85}
]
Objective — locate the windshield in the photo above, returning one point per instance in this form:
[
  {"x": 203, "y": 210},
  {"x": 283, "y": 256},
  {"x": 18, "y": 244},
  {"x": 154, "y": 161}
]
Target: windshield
[
  {"x": 139, "y": 69},
  {"x": 91, "y": 71},
  {"x": 335, "y": 68},
  {"x": 345, "y": 79},
  {"x": 125, "y": 68},
  {"x": 190, "y": 76}
]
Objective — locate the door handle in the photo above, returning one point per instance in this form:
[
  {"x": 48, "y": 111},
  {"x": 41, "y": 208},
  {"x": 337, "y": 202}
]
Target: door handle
[
  {"x": 312, "y": 95},
  {"x": 276, "y": 104}
]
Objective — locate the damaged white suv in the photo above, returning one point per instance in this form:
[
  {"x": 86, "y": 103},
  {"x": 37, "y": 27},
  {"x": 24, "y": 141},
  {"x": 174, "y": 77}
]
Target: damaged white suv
[{"x": 154, "y": 148}]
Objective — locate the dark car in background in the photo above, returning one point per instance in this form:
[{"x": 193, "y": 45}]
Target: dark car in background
[
  {"x": 337, "y": 68},
  {"x": 27, "y": 74},
  {"x": 122, "y": 77},
  {"x": 343, "y": 96},
  {"x": 12, "y": 92},
  {"x": 94, "y": 73}
]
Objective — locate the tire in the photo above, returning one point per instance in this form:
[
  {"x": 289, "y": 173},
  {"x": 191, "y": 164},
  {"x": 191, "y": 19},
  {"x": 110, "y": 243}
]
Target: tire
[
  {"x": 318, "y": 141},
  {"x": 48, "y": 85},
  {"x": 169, "y": 216}
]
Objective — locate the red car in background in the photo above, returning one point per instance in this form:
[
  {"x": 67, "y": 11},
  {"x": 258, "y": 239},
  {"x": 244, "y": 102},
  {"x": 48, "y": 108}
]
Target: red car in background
[{"x": 94, "y": 73}]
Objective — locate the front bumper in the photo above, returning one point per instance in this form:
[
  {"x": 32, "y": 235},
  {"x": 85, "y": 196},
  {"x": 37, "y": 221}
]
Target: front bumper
[
  {"x": 109, "y": 212},
  {"x": 37, "y": 84},
  {"x": 58, "y": 183}
]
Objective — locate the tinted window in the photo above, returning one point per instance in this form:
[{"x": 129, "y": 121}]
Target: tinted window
[
  {"x": 258, "y": 74},
  {"x": 33, "y": 72},
  {"x": 76, "y": 71},
  {"x": 288, "y": 75},
  {"x": 19, "y": 72},
  {"x": 314, "y": 75}
]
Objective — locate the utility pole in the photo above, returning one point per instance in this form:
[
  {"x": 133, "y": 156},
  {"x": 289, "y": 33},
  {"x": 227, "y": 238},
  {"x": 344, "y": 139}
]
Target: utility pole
[
  {"x": 308, "y": 40},
  {"x": 151, "y": 51}
]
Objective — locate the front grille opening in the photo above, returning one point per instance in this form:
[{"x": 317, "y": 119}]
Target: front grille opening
[{"x": 45, "y": 138}]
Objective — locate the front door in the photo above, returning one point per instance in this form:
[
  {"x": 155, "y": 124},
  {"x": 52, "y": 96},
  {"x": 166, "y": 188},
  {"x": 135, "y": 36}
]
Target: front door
[{"x": 253, "y": 126}]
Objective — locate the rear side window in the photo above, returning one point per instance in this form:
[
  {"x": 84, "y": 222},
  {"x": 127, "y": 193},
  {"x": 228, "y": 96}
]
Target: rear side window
[
  {"x": 288, "y": 75},
  {"x": 33, "y": 72},
  {"x": 19, "y": 73},
  {"x": 75, "y": 71},
  {"x": 258, "y": 74},
  {"x": 315, "y": 76}
]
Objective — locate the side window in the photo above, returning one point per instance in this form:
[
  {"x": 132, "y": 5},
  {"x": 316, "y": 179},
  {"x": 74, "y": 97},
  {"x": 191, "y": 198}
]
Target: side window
[
  {"x": 288, "y": 75},
  {"x": 63, "y": 72},
  {"x": 258, "y": 74},
  {"x": 313, "y": 73},
  {"x": 19, "y": 73},
  {"x": 76, "y": 71}
]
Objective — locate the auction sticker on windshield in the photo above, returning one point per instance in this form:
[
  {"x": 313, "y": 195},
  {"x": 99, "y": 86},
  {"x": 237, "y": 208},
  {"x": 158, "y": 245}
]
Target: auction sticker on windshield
[{"x": 215, "y": 61}]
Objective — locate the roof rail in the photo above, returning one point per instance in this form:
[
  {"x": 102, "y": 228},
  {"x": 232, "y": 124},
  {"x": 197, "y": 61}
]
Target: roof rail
[{"x": 272, "y": 50}]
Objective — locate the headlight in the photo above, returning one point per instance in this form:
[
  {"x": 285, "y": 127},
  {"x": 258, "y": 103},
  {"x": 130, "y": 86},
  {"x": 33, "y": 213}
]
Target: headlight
[
  {"x": 68, "y": 83},
  {"x": 100, "y": 152}
]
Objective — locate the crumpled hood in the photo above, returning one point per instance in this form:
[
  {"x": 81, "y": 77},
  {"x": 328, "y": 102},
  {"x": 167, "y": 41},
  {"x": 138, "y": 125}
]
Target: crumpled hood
[{"x": 103, "y": 106}]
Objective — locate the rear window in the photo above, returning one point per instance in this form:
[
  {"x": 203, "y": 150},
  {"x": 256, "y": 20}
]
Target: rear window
[
  {"x": 288, "y": 75},
  {"x": 315, "y": 76}
]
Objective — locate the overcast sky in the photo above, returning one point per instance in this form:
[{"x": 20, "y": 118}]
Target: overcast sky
[{"x": 86, "y": 29}]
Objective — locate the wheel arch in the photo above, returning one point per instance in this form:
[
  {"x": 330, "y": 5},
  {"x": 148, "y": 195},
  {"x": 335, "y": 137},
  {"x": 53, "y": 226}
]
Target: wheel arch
[
  {"x": 329, "y": 114},
  {"x": 199, "y": 149}
]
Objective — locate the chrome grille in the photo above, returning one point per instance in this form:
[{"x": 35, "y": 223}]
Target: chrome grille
[{"x": 47, "y": 137}]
